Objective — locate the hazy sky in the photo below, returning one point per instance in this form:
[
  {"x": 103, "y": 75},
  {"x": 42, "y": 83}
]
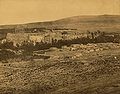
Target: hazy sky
[{"x": 22, "y": 11}]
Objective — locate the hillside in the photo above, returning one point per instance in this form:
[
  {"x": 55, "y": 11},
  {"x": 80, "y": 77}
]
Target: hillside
[
  {"x": 102, "y": 22},
  {"x": 86, "y": 72}
]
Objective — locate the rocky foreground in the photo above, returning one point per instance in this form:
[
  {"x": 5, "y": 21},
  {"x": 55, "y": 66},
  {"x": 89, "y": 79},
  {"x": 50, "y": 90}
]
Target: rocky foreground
[{"x": 73, "y": 71}]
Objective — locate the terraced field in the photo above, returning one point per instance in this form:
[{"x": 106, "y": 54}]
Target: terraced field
[{"x": 97, "y": 72}]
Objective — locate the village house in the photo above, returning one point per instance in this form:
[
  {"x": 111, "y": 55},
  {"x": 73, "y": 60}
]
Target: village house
[
  {"x": 16, "y": 38},
  {"x": 19, "y": 38},
  {"x": 46, "y": 36}
]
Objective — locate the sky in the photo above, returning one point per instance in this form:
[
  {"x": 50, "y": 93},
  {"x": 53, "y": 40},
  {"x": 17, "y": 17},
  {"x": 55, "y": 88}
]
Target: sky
[{"x": 25, "y": 11}]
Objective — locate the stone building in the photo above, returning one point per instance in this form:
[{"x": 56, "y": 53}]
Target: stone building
[
  {"x": 16, "y": 38},
  {"x": 19, "y": 38}
]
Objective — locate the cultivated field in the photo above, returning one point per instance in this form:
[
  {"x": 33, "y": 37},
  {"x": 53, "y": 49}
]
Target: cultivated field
[{"x": 78, "y": 69}]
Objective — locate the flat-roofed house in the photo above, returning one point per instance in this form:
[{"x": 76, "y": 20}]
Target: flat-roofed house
[
  {"x": 19, "y": 38},
  {"x": 35, "y": 37},
  {"x": 16, "y": 38}
]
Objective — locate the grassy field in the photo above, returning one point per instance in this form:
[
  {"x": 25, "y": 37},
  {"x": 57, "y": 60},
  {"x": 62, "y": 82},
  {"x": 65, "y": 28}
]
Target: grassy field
[{"x": 96, "y": 72}]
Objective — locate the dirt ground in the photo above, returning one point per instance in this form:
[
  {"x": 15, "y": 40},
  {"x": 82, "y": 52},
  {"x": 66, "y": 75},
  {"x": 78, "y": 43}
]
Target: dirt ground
[{"x": 87, "y": 73}]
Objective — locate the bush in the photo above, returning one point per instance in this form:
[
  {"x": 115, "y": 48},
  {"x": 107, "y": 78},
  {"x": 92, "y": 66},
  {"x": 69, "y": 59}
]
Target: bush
[{"x": 6, "y": 54}]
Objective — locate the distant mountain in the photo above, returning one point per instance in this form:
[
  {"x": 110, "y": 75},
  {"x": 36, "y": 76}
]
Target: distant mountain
[{"x": 108, "y": 23}]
